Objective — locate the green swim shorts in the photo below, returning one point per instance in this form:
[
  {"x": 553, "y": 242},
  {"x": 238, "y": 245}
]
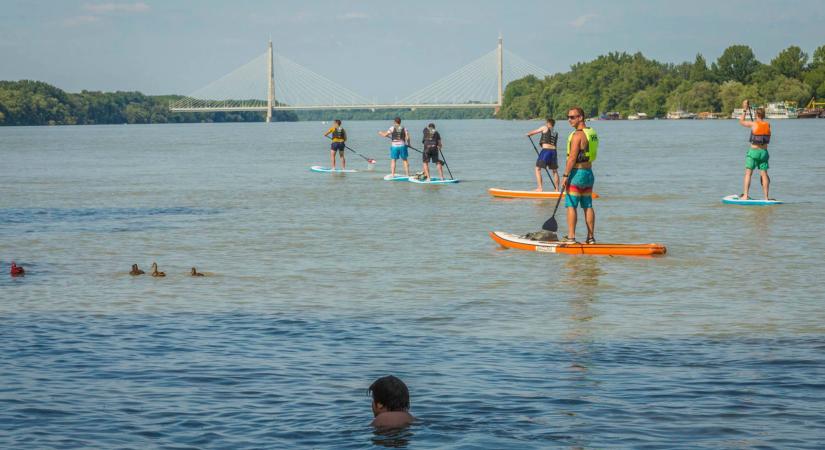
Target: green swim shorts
[{"x": 757, "y": 159}]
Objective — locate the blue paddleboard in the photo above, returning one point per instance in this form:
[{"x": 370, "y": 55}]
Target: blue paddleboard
[
  {"x": 734, "y": 200},
  {"x": 328, "y": 170},
  {"x": 434, "y": 180},
  {"x": 396, "y": 178}
]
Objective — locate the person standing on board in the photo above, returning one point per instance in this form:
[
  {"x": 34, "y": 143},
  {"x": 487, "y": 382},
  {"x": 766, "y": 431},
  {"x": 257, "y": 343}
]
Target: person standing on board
[
  {"x": 548, "y": 157},
  {"x": 432, "y": 145},
  {"x": 757, "y": 157},
  {"x": 582, "y": 147},
  {"x": 339, "y": 142},
  {"x": 398, "y": 148}
]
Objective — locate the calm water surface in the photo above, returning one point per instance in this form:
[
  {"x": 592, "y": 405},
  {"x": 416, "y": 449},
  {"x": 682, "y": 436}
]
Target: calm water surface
[{"x": 318, "y": 284}]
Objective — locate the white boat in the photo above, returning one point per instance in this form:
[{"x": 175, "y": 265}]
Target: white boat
[
  {"x": 679, "y": 115},
  {"x": 638, "y": 116},
  {"x": 737, "y": 113},
  {"x": 779, "y": 110}
]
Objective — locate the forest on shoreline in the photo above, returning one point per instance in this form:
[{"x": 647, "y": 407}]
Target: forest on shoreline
[
  {"x": 618, "y": 82},
  {"x": 629, "y": 84}
]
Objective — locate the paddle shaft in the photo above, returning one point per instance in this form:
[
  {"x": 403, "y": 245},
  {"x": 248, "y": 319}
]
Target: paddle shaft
[
  {"x": 545, "y": 167},
  {"x": 563, "y": 189},
  {"x": 369, "y": 160},
  {"x": 444, "y": 161},
  {"x": 445, "y": 164}
]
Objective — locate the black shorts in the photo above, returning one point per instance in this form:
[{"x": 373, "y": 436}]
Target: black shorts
[
  {"x": 339, "y": 146},
  {"x": 547, "y": 158},
  {"x": 431, "y": 155}
]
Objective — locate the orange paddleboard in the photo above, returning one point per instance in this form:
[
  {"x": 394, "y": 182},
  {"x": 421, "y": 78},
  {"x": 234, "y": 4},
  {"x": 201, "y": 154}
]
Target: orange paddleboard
[
  {"x": 506, "y": 193},
  {"x": 508, "y": 240}
]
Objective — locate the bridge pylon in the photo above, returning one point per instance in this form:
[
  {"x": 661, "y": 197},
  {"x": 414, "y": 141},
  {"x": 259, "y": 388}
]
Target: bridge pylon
[{"x": 270, "y": 95}]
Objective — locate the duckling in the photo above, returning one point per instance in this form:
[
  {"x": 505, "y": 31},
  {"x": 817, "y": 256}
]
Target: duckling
[
  {"x": 155, "y": 272},
  {"x": 136, "y": 270},
  {"x": 16, "y": 271},
  {"x": 195, "y": 273}
]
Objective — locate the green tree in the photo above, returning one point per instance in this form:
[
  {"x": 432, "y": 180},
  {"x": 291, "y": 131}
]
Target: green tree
[
  {"x": 818, "y": 57},
  {"x": 737, "y": 63},
  {"x": 785, "y": 89},
  {"x": 731, "y": 94},
  {"x": 699, "y": 70},
  {"x": 791, "y": 62}
]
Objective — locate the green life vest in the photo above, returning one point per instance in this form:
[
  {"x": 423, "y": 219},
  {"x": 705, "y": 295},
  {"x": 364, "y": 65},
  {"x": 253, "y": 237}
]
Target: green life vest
[
  {"x": 339, "y": 134},
  {"x": 588, "y": 155}
]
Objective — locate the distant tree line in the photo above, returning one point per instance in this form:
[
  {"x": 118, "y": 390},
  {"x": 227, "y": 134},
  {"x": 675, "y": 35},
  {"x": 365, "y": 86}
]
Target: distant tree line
[
  {"x": 28, "y": 102},
  {"x": 389, "y": 114},
  {"x": 628, "y": 84}
]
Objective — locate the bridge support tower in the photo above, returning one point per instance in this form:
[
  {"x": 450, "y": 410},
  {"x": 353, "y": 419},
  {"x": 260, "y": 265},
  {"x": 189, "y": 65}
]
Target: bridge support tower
[{"x": 270, "y": 95}]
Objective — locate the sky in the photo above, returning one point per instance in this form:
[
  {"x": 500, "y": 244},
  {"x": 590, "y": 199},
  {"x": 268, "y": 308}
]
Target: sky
[{"x": 380, "y": 49}]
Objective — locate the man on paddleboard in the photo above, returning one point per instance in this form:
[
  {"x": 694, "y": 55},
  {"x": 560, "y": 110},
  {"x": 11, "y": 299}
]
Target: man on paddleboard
[
  {"x": 757, "y": 157},
  {"x": 432, "y": 145},
  {"x": 548, "y": 157},
  {"x": 582, "y": 147},
  {"x": 398, "y": 148},
  {"x": 339, "y": 140}
]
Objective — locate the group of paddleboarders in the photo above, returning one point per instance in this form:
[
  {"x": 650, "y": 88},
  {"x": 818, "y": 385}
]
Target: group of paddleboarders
[{"x": 399, "y": 144}]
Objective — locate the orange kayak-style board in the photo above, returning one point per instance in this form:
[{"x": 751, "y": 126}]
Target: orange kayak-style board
[
  {"x": 508, "y": 240},
  {"x": 506, "y": 193}
]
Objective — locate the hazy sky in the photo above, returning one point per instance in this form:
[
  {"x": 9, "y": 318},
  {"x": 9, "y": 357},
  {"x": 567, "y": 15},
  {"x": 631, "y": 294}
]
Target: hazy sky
[{"x": 381, "y": 49}]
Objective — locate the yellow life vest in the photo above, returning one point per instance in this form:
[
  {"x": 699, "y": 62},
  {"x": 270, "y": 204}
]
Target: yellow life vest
[{"x": 588, "y": 155}]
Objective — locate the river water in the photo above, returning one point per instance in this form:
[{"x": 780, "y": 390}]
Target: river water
[{"x": 318, "y": 284}]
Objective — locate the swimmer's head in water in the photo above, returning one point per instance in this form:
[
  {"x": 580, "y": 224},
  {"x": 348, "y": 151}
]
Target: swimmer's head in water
[{"x": 389, "y": 393}]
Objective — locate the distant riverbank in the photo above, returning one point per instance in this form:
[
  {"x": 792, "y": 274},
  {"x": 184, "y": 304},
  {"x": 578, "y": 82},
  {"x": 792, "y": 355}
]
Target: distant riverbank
[{"x": 29, "y": 102}]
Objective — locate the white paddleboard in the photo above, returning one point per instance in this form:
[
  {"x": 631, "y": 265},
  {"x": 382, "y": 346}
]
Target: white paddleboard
[
  {"x": 434, "y": 180},
  {"x": 329, "y": 170},
  {"x": 734, "y": 200}
]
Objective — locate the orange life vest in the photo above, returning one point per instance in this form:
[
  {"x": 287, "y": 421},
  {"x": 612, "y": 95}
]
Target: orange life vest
[{"x": 762, "y": 134}]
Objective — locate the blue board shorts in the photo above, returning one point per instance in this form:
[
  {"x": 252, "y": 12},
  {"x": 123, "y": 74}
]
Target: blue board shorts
[
  {"x": 337, "y": 146},
  {"x": 548, "y": 158},
  {"x": 580, "y": 189},
  {"x": 399, "y": 152}
]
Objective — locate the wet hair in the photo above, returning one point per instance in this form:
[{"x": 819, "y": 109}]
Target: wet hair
[
  {"x": 578, "y": 110},
  {"x": 338, "y": 121},
  {"x": 398, "y": 120},
  {"x": 551, "y": 121},
  {"x": 432, "y": 125},
  {"x": 760, "y": 113},
  {"x": 391, "y": 392}
]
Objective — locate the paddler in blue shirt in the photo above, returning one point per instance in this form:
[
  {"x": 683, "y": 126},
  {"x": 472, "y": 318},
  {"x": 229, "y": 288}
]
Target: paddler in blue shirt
[
  {"x": 548, "y": 157},
  {"x": 582, "y": 147}
]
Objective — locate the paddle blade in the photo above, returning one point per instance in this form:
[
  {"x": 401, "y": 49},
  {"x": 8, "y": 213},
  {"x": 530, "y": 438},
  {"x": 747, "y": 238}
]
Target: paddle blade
[{"x": 551, "y": 225}]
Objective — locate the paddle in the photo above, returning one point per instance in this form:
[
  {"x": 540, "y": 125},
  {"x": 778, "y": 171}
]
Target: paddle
[
  {"x": 369, "y": 160},
  {"x": 545, "y": 167},
  {"x": 551, "y": 224},
  {"x": 443, "y": 161}
]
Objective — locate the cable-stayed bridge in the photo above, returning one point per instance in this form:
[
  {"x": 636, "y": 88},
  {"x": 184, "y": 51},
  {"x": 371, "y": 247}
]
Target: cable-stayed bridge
[{"x": 273, "y": 82}]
